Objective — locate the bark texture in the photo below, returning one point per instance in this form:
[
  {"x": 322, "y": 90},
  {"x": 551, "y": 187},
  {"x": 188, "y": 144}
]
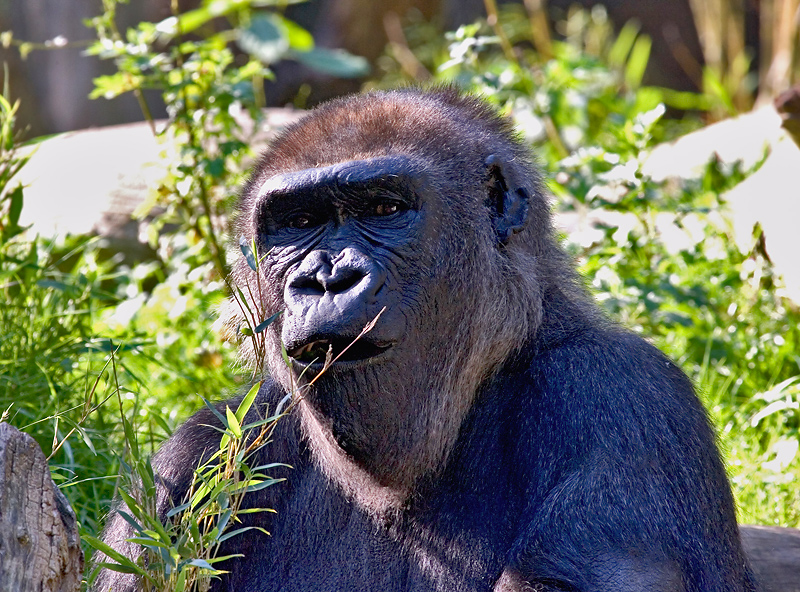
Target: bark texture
[{"x": 39, "y": 546}]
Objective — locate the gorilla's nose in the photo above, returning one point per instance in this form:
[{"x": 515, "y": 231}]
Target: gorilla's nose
[
  {"x": 343, "y": 284},
  {"x": 346, "y": 273}
]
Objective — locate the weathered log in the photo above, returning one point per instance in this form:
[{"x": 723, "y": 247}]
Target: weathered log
[
  {"x": 774, "y": 553},
  {"x": 39, "y": 546}
]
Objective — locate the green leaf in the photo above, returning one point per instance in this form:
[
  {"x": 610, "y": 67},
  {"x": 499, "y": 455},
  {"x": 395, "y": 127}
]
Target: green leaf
[
  {"x": 150, "y": 543},
  {"x": 140, "y": 513},
  {"x": 247, "y": 402},
  {"x": 55, "y": 285},
  {"x": 130, "y": 520},
  {"x": 270, "y": 466},
  {"x": 114, "y": 85},
  {"x": 118, "y": 567},
  {"x": 180, "y": 584},
  {"x": 177, "y": 510},
  {"x": 86, "y": 439},
  {"x": 285, "y": 356},
  {"x": 263, "y": 325},
  {"x": 637, "y": 62},
  {"x": 202, "y": 564},
  {"x": 123, "y": 564},
  {"x": 266, "y": 38},
  {"x": 233, "y": 423},
  {"x": 256, "y": 485},
  {"x": 242, "y": 299},
  {"x": 215, "y": 167},
  {"x": 215, "y": 411},
  {"x": 15, "y": 209},
  {"x": 194, "y": 19},
  {"x": 334, "y": 62},
  {"x": 145, "y": 471},
  {"x": 287, "y": 397},
  {"x": 247, "y": 251},
  {"x": 223, "y": 522},
  {"x": 130, "y": 436},
  {"x": 159, "y": 419},
  {"x": 622, "y": 46},
  {"x": 233, "y": 533},
  {"x": 299, "y": 38}
]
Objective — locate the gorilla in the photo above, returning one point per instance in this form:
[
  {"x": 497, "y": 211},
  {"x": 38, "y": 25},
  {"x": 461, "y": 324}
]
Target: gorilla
[{"x": 493, "y": 430}]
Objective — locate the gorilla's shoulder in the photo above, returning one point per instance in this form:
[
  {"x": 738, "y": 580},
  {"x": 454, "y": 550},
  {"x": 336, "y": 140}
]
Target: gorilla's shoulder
[
  {"x": 609, "y": 390},
  {"x": 609, "y": 363}
]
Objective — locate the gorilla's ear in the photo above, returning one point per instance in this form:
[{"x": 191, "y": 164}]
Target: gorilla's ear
[{"x": 509, "y": 207}]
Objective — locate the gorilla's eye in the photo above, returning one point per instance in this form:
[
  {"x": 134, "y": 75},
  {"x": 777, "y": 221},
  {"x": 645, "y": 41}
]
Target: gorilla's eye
[
  {"x": 299, "y": 221},
  {"x": 386, "y": 208}
]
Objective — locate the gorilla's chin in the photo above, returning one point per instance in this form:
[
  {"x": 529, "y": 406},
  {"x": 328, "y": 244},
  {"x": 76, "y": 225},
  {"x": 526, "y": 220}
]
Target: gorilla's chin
[
  {"x": 357, "y": 481},
  {"x": 361, "y": 415}
]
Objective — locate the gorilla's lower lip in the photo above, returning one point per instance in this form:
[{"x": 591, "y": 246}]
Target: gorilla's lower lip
[{"x": 346, "y": 349}]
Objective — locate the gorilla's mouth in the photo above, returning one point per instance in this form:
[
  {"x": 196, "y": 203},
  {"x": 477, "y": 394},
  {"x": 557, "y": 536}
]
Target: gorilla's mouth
[{"x": 347, "y": 350}]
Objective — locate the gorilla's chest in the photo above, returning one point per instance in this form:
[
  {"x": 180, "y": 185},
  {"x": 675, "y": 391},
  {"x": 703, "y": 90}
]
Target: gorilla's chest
[{"x": 322, "y": 542}]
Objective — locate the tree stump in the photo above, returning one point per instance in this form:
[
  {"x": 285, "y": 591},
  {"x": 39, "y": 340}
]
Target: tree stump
[{"x": 39, "y": 546}]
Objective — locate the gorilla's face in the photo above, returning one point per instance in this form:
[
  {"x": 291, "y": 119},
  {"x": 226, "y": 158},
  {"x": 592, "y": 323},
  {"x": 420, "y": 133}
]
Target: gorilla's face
[
  {"x": 345, "y": 243},
  {"x": 348, "y": 245},
  {"x": 398, "y": 212}
]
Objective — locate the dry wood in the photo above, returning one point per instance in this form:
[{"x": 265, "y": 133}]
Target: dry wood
[{"x": 39, "y": 546}]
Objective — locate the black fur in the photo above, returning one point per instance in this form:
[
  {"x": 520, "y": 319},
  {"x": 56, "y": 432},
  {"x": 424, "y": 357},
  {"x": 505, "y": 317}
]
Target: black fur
[{"x": 493, "y": 431}]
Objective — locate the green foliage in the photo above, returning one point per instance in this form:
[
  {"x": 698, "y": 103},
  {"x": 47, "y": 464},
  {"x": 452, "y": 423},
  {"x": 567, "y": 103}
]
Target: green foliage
[
  {"x": 10, "y": 164},
  {"x": 77, "y": 327},
  {"x": 213, "y": 101},
  {"x": 157, "y": 346},
  {"x": 181, "y": 553},
  {"x": 52, "y": 291},
  {"x": 663, "y": 260},
  {"x": 204, "y": 93}
]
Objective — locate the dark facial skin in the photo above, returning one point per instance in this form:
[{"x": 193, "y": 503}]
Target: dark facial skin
[
  {"x": 343, "y": 246},
  {"x": 340, "y": 239}
]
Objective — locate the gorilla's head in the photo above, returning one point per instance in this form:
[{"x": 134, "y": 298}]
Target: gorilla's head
[{"x": 419, "y": 210}]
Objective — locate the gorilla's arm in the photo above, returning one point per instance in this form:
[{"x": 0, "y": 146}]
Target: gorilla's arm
[
  {"x": 174, "y": 465},
  {"x": 632, "y": 476}
]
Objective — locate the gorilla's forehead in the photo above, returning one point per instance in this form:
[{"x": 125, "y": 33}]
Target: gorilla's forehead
[{"x": 397, "y": 172}]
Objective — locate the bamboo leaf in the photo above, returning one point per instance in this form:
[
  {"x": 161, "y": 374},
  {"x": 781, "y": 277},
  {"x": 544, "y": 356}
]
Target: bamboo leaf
[
  {"x": 247, "y": 402},
  {"x": 233, "y": 423},
  {"x": 247, "y": 251}
]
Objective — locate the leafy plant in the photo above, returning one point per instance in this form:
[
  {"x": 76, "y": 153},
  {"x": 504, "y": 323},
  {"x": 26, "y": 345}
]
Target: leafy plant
[
  {"x": 52, "y": 292},
  {"x": 213, "y": 100},
  {"x": 10, "y": 164},
  {"x": 181, "y": 552}
]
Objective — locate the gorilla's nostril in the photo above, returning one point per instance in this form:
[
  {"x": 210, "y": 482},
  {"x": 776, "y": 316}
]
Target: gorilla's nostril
[
  {"x": 342, "y": 279},
  {"x": 307, "y": 285}
]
